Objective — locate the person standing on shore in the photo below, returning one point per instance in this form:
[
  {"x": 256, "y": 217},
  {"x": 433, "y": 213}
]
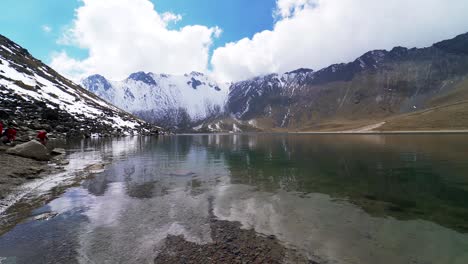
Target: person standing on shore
[
  {"x": 42, "y": 137},
  {"x": 9, "y": 135}
]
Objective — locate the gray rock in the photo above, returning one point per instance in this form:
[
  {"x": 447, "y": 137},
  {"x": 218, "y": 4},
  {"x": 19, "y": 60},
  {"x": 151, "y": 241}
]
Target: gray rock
[
  {"x": 61, "y": 129},
  {"x": 63, "y": 162},
  {"x": 32, "y": 149},
  {"x": 46, "y": 127},
  {"x": 24, "y": 138},
  {"x": 58, "y": 151}
]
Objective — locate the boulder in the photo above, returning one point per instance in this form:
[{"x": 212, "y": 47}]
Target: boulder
[{"x": 32, "y": 149}]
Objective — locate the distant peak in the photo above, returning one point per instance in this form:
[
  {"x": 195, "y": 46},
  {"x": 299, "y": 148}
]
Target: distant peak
[
  {"x": 95, "y": 82},
  {"x": 195, "y": 73},
  {"x": 300, "y": 70},
  {"x": 457, "y": 45},
  {"x": 142, "y": 77},
  {"x": 375, "y": 55},
  {"x": 96, "y": 77},
  {"x": 371, "y": 59}
]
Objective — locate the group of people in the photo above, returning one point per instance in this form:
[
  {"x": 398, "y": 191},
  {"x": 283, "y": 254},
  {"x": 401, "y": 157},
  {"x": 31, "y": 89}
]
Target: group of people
[{"x": 8, "y": 135}]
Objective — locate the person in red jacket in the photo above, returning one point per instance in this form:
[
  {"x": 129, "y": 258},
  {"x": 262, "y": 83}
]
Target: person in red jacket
[
  {"x": 9, "y": 135},
  {"x": 1, "y": 128},
  {"x": 42, "y": 137}
]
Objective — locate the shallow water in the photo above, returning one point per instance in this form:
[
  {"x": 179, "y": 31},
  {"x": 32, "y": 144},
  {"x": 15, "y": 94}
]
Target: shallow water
[{"x": 336, "y": 199}]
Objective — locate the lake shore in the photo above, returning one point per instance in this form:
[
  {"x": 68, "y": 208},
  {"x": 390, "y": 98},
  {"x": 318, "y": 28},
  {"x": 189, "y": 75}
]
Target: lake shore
[
  {"x": 383, "y": 132},
  {"x": 18, "y": 170},
  {"x": 26, "y": 184}
]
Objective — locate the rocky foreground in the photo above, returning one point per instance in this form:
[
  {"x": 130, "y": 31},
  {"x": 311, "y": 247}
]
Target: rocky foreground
[
  {"x": 27, "y": 162},
  {"x": 230, "y": 244}
]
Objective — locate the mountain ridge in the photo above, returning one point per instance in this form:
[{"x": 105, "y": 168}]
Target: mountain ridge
[
  {"x": 35, "y": 96},
  {"x": 375, "y": 86}
]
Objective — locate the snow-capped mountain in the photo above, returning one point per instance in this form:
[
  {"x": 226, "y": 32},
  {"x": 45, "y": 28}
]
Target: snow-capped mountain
[
  {"x": 170, "y": 100},
  {"x": 377, "y": 86},
  {"x": 35, "y": 96}
]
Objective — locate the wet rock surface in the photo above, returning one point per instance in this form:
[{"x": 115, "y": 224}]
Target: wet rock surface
[
  {"x": 230, "y": 244},
  {"x": 16, "y": 171}
]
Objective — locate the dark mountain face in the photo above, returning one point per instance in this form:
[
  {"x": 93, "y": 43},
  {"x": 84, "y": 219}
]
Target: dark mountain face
[
  {"x": 194, "y": 83},
  {"x": 301, "y": 70},
  {"x": 249, "y": 99},
  {"x": 376, "y": 85},
  {"x": 143, "y": 77},
  {"x": 458, "y": 45}
]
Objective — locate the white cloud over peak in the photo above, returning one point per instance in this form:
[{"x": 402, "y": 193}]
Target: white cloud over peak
[
  {"x": 125, "y": 36},
  {"x": 317, "y": 33}
]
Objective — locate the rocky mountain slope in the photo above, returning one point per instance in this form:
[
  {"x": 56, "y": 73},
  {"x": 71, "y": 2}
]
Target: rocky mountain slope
[
  {"x": 405, "y": 88},
  {"x": 34, "y": 96},
  {"x": 169, "y": 100}
]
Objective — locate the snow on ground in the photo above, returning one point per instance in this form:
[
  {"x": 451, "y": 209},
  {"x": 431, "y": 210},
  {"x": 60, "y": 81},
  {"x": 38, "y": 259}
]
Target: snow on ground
[
  {"x": 253, "y": 123},
  {"x": 197, "y": 128},
  {"x": 367, "y": 128},
  {"x": 235, "y": 128}
]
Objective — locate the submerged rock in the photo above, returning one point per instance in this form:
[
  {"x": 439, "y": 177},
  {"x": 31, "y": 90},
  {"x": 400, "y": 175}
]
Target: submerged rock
[
  {"x": 32, "y": 149},
  {"x": 45, "y": 216},
  {"x": 95, "y": 168}
]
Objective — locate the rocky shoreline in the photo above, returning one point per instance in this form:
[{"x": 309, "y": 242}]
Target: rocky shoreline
[
  {"x": 22, "y": 179},
  {"x": 18, "y": 170}
]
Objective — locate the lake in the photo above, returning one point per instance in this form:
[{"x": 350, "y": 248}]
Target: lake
[{"x": 329, "y": 198}]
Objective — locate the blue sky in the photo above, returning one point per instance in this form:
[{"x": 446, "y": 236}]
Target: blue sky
[{"x": 23, "y": 20}]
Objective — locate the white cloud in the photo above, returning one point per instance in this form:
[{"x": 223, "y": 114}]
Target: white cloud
[
  {"x": 46, "y": 28},
  {"x": 287, "y": 8},
  {"x": 317, "y": 33},
  {"x": 170, "y": 17},
  {"x": 217, "y": 32},
  {"x": 124, "y": 36},
  {"x": 70, "y": 67}
]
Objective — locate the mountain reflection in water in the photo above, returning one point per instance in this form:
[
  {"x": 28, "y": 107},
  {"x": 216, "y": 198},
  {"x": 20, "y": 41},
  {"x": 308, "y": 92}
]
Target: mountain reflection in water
[{"x": 336, "y": 199}]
